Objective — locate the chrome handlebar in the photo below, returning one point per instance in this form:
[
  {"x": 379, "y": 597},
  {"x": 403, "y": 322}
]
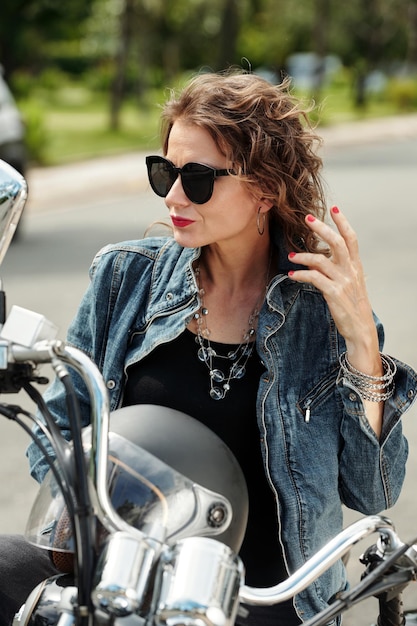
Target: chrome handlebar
[{"x": 322, "y": 560}]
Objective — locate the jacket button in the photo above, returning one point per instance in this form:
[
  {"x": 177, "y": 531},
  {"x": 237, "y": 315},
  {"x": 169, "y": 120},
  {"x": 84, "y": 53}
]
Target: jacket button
[
  {"x": 353, "y": 397},
  {"x": 110, "y": 384},
  {"x": 410, "y": 394},
  {"x": 169, "y": 296}
]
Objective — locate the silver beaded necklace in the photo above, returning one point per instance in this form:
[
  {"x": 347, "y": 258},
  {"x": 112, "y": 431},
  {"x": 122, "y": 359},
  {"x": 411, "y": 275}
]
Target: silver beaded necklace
[{"x": 237, "y": 358}]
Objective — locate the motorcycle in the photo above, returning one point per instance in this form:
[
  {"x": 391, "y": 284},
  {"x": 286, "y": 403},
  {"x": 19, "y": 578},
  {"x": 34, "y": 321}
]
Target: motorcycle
[{"x": 145, "y": 520}]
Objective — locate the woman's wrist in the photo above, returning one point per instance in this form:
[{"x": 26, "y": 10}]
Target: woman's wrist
[{"x": 372, "y": 388}]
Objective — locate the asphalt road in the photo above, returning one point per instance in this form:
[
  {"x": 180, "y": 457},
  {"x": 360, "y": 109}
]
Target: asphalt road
[{"x": 74, "y": 211}]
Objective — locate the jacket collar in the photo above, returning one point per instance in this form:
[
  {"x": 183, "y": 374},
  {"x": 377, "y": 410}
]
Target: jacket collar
[{"x": 172, "y": 281}]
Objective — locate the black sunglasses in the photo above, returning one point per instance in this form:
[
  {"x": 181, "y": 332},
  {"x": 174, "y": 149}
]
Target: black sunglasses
[{"x": 197, "y": 179}]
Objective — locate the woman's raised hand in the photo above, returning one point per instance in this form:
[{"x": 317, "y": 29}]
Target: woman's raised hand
[{"x": 340, "y": 278}]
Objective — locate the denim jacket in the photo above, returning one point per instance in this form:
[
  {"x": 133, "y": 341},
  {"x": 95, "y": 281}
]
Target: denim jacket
[{"x": 318, "y": 448}]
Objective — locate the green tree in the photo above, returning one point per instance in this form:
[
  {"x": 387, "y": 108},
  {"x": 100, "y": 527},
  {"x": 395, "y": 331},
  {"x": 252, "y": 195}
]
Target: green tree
[
  {"x": 26, "y": 27},
  {"x": 412, "y": 34},
  {"x": 273, "y": 29},
  {"x": 369, "y": 35},
  {"x": 161, "y": 39}
]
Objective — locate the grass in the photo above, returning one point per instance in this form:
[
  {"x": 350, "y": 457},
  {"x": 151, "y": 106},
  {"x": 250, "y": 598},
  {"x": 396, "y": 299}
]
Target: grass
[
  {"x": 74, "y": 135},
  {"x": 71, "y": 124},
  {"x": 336, "y": 105}
]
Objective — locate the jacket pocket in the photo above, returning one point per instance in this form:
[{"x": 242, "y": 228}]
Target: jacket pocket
[{"x": 317, "y": 395}]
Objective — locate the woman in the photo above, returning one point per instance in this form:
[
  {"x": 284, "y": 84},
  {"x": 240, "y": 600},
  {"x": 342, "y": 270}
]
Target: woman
[{"x": 254, "y": 319}]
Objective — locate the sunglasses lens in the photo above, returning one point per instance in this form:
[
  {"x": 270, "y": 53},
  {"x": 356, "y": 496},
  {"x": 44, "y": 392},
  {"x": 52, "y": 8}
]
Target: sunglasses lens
[
  {"x": 161, "y": 176},
  {"x": 197, "y": 181}
]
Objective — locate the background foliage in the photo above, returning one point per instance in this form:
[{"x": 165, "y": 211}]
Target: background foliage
[{"x": 99, "y": 66}]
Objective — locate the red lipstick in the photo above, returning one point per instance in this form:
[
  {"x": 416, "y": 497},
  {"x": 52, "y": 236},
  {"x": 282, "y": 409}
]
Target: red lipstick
[{"x": 181, "y": 222}]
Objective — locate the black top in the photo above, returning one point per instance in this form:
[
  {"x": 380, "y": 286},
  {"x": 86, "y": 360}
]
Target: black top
[{"x": 173, "y": 376}]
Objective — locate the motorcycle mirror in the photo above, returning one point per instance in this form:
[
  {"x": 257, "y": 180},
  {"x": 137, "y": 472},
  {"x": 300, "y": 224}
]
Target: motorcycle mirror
[{"x": 13, "y": 195}]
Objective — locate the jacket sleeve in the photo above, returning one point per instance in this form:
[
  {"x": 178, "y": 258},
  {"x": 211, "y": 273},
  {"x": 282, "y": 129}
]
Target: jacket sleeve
[
  {"x": 84, "y": 333},
  {"x": 372, "y": 470}
]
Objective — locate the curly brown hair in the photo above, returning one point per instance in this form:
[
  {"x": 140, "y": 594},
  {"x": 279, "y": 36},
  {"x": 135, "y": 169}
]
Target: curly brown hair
[{"x": 266, "y": 134}]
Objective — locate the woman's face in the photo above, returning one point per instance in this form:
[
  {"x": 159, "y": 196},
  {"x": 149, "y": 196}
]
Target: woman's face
[{"x": 229, "y": 217}]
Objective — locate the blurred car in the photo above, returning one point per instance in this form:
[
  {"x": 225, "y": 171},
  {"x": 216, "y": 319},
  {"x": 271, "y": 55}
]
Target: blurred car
[
  {"x": 308, "y": 71},
  {"x": 12, "y": 130},
  {"x": 12, "y": 136}
]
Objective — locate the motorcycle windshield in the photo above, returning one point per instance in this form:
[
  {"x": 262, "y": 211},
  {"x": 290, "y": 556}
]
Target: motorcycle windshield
[
  {"x": 13, "y": 195},
  {"x": 144, "y": 491}
]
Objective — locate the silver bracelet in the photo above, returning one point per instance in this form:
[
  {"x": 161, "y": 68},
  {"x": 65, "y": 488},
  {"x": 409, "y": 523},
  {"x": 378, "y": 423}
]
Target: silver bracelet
[{"x": 372, "y": 388}]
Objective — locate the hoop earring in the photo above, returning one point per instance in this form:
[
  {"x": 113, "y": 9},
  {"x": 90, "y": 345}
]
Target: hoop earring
[{"x": 260, "y": 226}]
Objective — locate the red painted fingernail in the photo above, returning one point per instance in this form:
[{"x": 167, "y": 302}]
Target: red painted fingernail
[
  {"x": 335, "y": 209},
  {"x": 291, "y": 273},
  {"x": 292, "y": 255},
  {"x": 311, "y": 218}
]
